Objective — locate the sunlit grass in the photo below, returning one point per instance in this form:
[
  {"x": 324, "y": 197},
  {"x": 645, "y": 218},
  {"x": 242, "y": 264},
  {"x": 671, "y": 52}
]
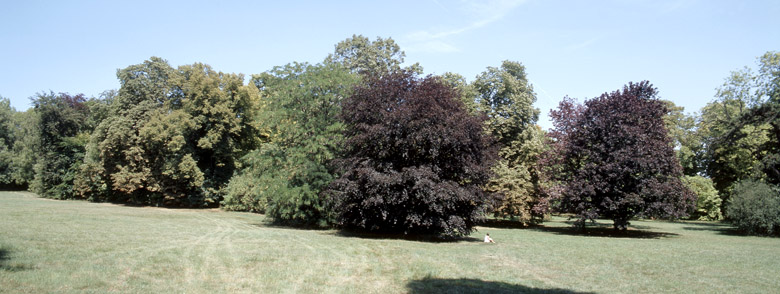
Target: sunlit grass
[{"x": 74, "y": 246}]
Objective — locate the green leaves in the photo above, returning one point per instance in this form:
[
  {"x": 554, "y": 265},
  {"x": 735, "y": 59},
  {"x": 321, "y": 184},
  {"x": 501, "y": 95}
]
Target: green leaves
[
  {"x": 360, "y": 55},
  {"x": 506, "y": 97},
  {"x": 173, "y": 137},
  {"x": 300, "y": 116}
]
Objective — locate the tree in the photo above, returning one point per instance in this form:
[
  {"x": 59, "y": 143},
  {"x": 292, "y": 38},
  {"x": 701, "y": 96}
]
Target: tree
[
  {"x": 25, "y": 147},
  {"x": 741, "y": 129},
  {"x": 618, "y": 158},
  {"x": 685, "y": 138},
  {"x": 506, "y": 97},
  {"x": 62, "y": 135},
  {"x": 7, "y": 139},
  {"x": 361, "y": 55},
  {"x": 286, "y": 175},
  {"x": 415, "y": 159},
  {"x": 172, "y": 138},
  {"x": 467, "y": 93}
]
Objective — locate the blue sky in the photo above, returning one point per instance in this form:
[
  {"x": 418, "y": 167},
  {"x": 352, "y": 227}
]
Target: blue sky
[{"x": 577, "y": 48}]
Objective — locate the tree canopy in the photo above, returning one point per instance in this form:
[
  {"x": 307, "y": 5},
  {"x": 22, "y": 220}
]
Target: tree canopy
[
  {"x": 618, "y": 158},
  {"x": 415, "y": 159},
  {"x": 506, "y": 98},
  {"x": 300, "y": 119},
  {"x": 173, "y": 137}
]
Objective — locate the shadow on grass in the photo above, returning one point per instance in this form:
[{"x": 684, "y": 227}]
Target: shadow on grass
[
  {"x": 592, "y": 229},
  {"x": 720, "y": 228},
  {"x": 5, "y": 265},
  {"x": 346, "y": 233},
  {"x": 604, "y": 230},
  {"x": 505, "y": 224},
  {"x": 409, "y": 237},
  {"x": 435, "y": 285}
]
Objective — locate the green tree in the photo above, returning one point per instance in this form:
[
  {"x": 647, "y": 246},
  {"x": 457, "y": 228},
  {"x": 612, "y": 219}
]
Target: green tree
[
  {"x": 708, "y": 202},
  {"x": 506, "y": 97},
  {"x": 7, "y": 140},
  {"x": 741, "y": 129},
  {"x": 62, "y": 135},
  {"x": 172, "y": 138},
  {"x": 468, "y": 94},
  {"x": 361, "y": 55},
  {"x": 300, "y": 118},
  {"x": 25, "y": 147},
  {"x": 683, "y": 129}
]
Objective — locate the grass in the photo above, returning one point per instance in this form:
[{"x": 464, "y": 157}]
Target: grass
[{"x": 75, "y": 246}]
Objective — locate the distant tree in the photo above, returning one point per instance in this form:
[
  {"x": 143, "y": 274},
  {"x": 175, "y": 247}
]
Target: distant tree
[
  {"x": 62, "y": 135},
  {"x": 361, "y": 55},
  {"x": 506, "y": 97},
  {"x": 300, "y": 117},
  {"x": 7, "y": 140},
  {"x": 741, "y": 128},
  {"x": 468, "y": 94},
  {"x": 685, "y": 138},
  {"x": 618, "y": 158},
  {"x": 415, "y": 159},
  {"x": 25, "y": 147}
]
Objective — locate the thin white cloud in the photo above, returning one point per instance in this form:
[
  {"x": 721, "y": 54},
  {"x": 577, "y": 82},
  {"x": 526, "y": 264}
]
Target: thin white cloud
[
  {"x": 434, "y": 46},
  {"x": 581, "y": 45},
  {"x": 485, "y": 12}
]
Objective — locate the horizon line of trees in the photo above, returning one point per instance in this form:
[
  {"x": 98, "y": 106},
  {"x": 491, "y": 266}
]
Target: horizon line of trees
[{"x": 360, "y": 142}]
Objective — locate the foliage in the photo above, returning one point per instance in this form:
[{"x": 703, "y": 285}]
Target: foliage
[
  {"x": 286, "y": 175},
  {"x": 708, "y": 201},
  {"x": 172, "y": 137},
  {"x": 742, "y": 128},
  {"x": 415, "y": 159},
  {"x": 468, "y": 94},
  {"x": 729, "y": 161},
  {"x": 755, "y": 208},
  {"x": 7, "y": 140},
  {"x": 685, "y": 138},
  {"x": 506, "y": 97},
  {"x": 61, "y": 135},
  {"x": 618, "y": 158},
  {"x": 360, "y": 55},
  {"x": 25, "y": 147}
]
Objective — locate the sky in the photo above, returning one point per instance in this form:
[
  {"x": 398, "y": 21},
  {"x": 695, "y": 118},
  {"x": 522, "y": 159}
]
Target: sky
[{"x": 580, "y": 49}]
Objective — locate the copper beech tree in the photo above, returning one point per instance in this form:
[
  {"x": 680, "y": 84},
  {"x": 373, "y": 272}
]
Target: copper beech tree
[
  {"x": 616, "y": 158},
  {"x": 415, "y": 160}
]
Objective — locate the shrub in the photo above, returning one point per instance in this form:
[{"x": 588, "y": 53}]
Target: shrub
[
  {"x": 755, "y": 208},
  {"x": 708, "y": 201}
]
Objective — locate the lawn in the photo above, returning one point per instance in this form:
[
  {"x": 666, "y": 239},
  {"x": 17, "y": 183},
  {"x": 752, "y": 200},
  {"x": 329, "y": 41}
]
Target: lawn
[{"x": 76, "y": 246}]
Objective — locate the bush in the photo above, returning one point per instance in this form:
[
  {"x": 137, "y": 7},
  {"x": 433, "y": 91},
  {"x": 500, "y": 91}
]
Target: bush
[
  {"x": 755, "y": 208},
  {"x": 708, "y": 201}
]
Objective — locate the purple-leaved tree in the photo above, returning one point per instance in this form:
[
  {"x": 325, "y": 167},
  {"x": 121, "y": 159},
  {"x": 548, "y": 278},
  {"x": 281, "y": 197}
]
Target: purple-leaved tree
[
  {"x": 415, "y": 159},
  {"x": 616, "y": 158}
]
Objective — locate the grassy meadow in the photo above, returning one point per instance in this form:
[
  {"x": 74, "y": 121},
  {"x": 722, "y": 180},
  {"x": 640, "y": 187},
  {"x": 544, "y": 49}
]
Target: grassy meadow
[{"x": 76, "y": 246}]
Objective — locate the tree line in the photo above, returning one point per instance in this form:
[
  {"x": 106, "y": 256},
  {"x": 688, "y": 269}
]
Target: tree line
[{"x": 361, "y": 142}]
